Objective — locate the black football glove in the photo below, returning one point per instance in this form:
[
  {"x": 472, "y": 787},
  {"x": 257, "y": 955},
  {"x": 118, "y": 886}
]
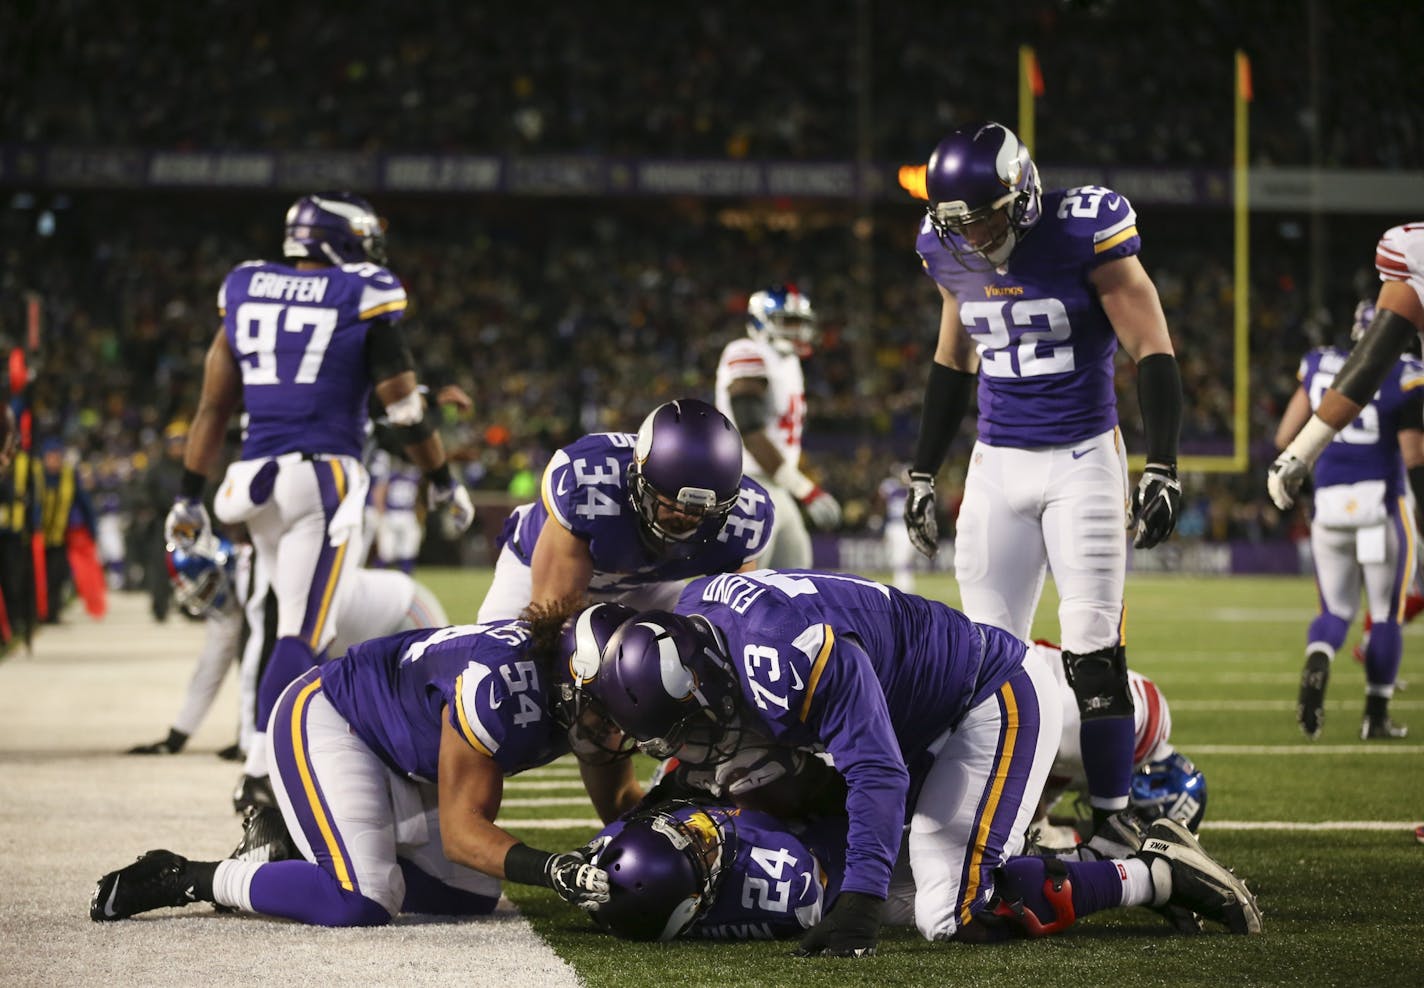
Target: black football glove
[
  {"x": 577, "y": 882},
  {"x": 920, "y": 514},
  {"x": 1155, "y": 504},
  {"x": 850, "y": 929}
]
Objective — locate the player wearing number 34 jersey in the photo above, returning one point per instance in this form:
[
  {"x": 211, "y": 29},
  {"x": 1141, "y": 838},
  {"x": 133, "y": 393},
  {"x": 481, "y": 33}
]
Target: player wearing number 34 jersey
[{"x": 1038, "y": 290}]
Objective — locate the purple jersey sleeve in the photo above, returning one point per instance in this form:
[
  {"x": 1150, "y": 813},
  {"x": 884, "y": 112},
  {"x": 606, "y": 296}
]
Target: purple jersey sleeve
[{"x": 1045, "y": 343}]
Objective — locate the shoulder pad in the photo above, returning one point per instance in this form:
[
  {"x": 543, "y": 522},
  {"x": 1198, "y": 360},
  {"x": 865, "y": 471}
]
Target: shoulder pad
[{"x": 1096, "y": 215}]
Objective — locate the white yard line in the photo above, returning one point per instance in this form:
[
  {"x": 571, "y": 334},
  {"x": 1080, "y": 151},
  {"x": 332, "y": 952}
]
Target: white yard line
[{"x": 1377, "y": 748}]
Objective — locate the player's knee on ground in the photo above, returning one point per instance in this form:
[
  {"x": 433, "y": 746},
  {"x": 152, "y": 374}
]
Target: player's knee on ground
[
  {"x": 424, "y": 893},
  {"x": 1099, "y": 681}
]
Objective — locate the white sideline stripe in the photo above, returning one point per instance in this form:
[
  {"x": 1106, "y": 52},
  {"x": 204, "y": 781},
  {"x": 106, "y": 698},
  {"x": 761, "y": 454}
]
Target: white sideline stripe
[
  {"x": 555, "y": 824},
  {"x": 532, "y": 801},
  {"x": 1351, "y": 704},
  {"x": 517, "y": 783},
  {"x": 1306, "y": 749},
  {"x": 1321, "y": 825},
  {"x": 1260, "y": 615}
]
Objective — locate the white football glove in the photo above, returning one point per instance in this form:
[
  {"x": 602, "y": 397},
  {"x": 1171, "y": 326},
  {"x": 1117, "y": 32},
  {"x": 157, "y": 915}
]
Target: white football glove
[
  {"x": 187, "y": 522},
  {"x": 1284, "y": 479},
  {"x": 920, "y": 517},
  {"x": 822, "y": 509},
  {"x": 1155, "y": 505},
  {"x": 452, "y": 506},
  {"x": 577, "y": 882}
]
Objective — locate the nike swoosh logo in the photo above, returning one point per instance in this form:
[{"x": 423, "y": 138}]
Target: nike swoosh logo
[
  {"x": 796, "y": 682},
  {"x": 809, "y": 878},
  {"x": 109, "y": 902},
  {"x": 1078, "y": 454},
  {"x": 493, "y": 703},
  {"x": 563, "y": 486},
  {"x": 1114, "y": 202}
]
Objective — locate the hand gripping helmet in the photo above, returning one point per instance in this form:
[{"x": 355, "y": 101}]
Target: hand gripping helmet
[
  {"x": 664, "y": 868},
  {"x": 685, "y": 476},
  {"x": 984, "y": 194},
  {"x": 1364, "y": 315},
  {"x": 666, "y": 681},
  {"x": 1171, "y": 787},
  {"x": 334, "y": 228},
  {"x": 577, "y": 707},
  {"x": 202, "y": 575},
  {"x": 781, "y": 316}
]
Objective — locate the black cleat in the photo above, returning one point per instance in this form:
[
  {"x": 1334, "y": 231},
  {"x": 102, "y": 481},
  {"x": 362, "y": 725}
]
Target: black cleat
[
  {"x": 1310, "y": 703},
  {"x": 1382, "y": 729},
  {"x": 232, "y": 753},
  {"x": 264, "y": 837},
  {"x": 157, "y": 880},
  {"x": 1185, "y": 876},
  {"x": 253, "y": 790}
]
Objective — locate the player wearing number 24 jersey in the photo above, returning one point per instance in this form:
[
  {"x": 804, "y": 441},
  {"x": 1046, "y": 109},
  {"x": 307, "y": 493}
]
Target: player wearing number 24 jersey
[{"x": 1038, "y": 291}]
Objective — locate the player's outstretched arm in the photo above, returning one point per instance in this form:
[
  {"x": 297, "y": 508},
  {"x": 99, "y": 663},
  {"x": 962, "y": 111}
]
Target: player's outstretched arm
[{"x": 188, "y": 520}]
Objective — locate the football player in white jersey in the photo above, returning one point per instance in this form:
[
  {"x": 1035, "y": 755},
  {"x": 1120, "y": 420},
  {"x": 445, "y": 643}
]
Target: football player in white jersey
[{"x": 761, "y": 387}]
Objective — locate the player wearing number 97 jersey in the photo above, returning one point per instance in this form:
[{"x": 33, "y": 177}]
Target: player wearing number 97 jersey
[
  {"x": 303, "y": 342},
  {"x": 1038, "y": 290}
]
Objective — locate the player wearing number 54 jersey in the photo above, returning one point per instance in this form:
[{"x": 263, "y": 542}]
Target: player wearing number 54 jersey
[
  {"x": 303, "y": 342},
  {"x": 1038, "y": 291}
]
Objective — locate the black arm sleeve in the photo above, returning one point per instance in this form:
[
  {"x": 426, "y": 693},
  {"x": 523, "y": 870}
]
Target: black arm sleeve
[
  {"x": 1159, "y": 395},
  {"x": 946, "y": 402},
  {"x": 749, "y": 412},
  {"x": 1383, "y": 343},
  {"x": 386, "y": 351}
]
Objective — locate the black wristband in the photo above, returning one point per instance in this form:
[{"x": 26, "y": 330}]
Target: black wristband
[
  {"x": 946, "y": 402},
  {"x": 440, "y": 476},
  {"x": 192, "y": 484},
  {"x": 527, "y": 865},
  {"x": 1159, "y": 395},
  {"x": 1416, "y": 483},
  {"x": 1388, "y": 336}
]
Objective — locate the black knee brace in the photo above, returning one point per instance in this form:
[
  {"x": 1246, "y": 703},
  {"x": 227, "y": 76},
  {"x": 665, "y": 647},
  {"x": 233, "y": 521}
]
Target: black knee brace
[{"x": 1099, "y": 681}]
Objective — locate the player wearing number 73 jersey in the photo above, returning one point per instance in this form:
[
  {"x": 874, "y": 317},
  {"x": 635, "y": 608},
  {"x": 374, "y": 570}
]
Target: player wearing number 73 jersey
[
  {"x": 303, "y": 342},
  {"x": 1038, "y": 290}
]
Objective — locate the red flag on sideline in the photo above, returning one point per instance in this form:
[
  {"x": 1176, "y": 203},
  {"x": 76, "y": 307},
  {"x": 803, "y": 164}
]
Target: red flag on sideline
[{"x": 87, "y": 571}]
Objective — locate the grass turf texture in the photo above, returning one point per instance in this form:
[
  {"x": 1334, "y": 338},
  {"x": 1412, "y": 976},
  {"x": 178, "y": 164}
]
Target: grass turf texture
[{"x": 1342, "y": 907}]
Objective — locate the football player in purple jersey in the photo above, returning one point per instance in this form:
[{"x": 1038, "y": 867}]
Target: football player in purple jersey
[
  {"x": 932, "y": 720},
  {"x": 1362, "y": 534},
  {"x": 1038, "y": 292},
  {"x": 633, "y": 517},
  {"x": 302, "y": 344},
  {"x": 709, "y": 870},
  {"x": 389, "y": 765}
]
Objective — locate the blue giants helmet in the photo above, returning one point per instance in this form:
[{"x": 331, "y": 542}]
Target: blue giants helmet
[
  {"x": 685, "y": 476},
  {"x": 577, "y": 708},
  {"x": 663, "y": 868},
  {"x": 334, "y": 228},
  {"x": 781, "y": 317},
  {"x": 202, "y": 575},
  {"x": 665, "y": 681},
  {"x": 984, "y": 194},
  {"x": 1171, "y": 787}
]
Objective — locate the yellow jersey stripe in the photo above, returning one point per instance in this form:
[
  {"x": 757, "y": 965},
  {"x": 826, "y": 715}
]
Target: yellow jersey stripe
[
  {"x": 817, "y": 667},
  {"x": 380, "y": 310},
  {"x": 1115, "y": 239},
  {"x": 991, "y": 804},
  {"x": 338, "y": 477},
  {"x": 465, "y": 727},
  {"x": 338, "y": 861},
  {"x": 1409, "y": 550}
]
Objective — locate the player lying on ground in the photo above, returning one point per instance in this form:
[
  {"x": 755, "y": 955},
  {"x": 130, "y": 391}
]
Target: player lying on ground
[{"x": 389, "y": 765}]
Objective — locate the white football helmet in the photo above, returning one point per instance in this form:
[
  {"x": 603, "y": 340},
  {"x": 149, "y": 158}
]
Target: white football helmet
[{"x": 782, "y": 316}]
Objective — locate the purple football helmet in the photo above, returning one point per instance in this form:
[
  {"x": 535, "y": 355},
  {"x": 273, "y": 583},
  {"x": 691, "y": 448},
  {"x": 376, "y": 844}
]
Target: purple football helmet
[
  {"x": 1364, "y": 315},
  {"x": 664, "y": 868},
  {"x": 782, "y": 317},
  {"x": 685, "y": 476},
  {"x": 202, "y": 574},
  {"x": 1172, "y": 787},
  {"x": 577, "y": 707},
  {"x": 334, "y": 228},
  {"x": 984, "y": 194},
  {"x": 666, "y": 681}
]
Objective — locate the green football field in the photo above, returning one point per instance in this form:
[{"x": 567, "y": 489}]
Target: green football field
[{"x": 1321, "y": 830}]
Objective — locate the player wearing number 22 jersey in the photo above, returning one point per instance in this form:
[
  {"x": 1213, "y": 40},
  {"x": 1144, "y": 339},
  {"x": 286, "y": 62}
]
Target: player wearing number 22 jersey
[{"x": 1038, "y": 291}]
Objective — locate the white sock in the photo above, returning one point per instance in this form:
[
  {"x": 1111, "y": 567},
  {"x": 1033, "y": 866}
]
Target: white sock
[
  {"x": 256, "y": 764},
  {"x": 1137, "y": 887},
  {"x": 232, "y": 883}
]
